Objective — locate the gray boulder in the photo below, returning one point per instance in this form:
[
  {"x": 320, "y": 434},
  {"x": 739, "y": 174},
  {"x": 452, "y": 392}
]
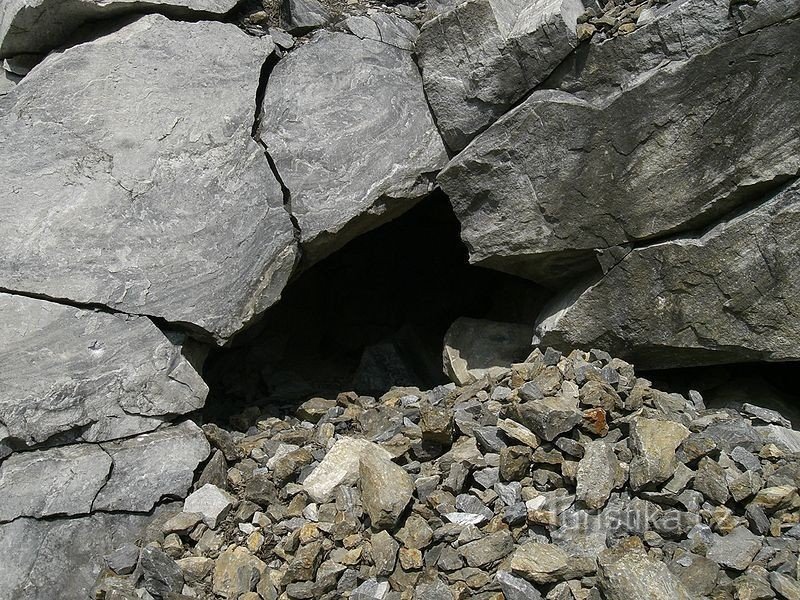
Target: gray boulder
[
  {"x": 61, "y": 558},
  {"x": 558, "y": 177},
  {"x": 348, "y": 127},
  {"x": 36, "y": 26},
  {"x": 152, "y": 466},
  {"x": 87, "y": 375},
  {"x": 301, "y": 16},
  {"x": 481, "y": 57},
  {"x": 141, "y": 188},
  {"x": 726, "y": 295}
]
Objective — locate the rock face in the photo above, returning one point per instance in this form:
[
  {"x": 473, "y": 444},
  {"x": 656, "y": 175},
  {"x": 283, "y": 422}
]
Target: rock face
[
  {"x": 558, "y": 177},
  {"x": 168, "y": 209},
  {"x": 36, "y": 26},
  {"x": 347, "y": 125},
  {"x": 484, "y": 55},
  {"x": 87, "y": 375},
  {"x": 725, "y": 295}
]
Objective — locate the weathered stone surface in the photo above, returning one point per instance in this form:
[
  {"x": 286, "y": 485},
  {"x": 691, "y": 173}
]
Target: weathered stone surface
[
  {"x": 211, "y": 502},
  {"x": 166, "y": 209},
  {"x": 237, "y": 571},
  {"x": 627, "y": 572},
  {"x": 654, "y": 443},
  {"x": 474, "y": 346},
  {"x": 558, "y": 177},
  {"x": 60, "y": 481},
  {"x": 347, "y": 125},
  {"x": 36, "y": 26},
  {"x": 599, "y": 472},
  {"x": 301, "y": 16},
  {"x": 65, "y": 369},
  {"x": 725, "y": 295},
  {"x": 549, "y": 417},
  {"x": 152, "y": 466},
  {"x": 386, "y": 28},
  {"x": 481, "y": 57},
  {"x": 339, "y": 467},
  {"x": 46, "y": 559},
  {"x": 386, "y": 489},
  {"x": 489, "y": 549},
  {"x": 161, "y": 575},
  {"x": 735, "y": 550},
  {"x": 541, "y": 563}
]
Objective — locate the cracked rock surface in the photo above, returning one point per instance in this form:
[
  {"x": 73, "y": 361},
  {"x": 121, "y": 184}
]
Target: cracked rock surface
[
  {"x": 141, "y": 188},
  {"x": 346, "y": 122}
]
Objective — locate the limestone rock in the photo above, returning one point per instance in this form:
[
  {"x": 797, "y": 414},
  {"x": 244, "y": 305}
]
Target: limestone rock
[
  {"x": 654, "y": 443},
  {"x": 743, "y": 279},
  {"x": 340, "y": 467},
  {"x": 152, "y": 466},
  {"x": 162, "y": 575},
  {"x": 481, "y": 57},
  {"x": 301, "y": 16},
  {"x": 46, "y": 559},
  {"x": 541, "y": 563},
  {"x": 386, "y": 28},
  {"x": 599, "y": 472},
  {"x": 236, "y": 572},
  {"x": 488, "y": 549},
  {"x": 211, "y": 502},
  {"x": 627, "y": 572},
  {"x": 549, "y": 417},
  {"x": 735, "y": 550},
  {"x": 103, "y": 376},
  {"x": 347, "y": 125},
  {"x": 558, "y": 177},
  {"x": 142, "y": 188},
  {"x": 386, "y": 489},
  {"x": 36, "y": 26},
  {"x": 60, "y": 481}
]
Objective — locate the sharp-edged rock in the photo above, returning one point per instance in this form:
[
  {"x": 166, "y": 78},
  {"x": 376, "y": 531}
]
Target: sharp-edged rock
[
  {"x": 599, "y": 472},
  {"x": 141, "y": 188},
  {"x": 720, "y": 296},
  {"x": 386, "y": 489},
  {"x": 210, "y": 502},
  {"x": 480, "y": 58},
  {"x": 347, "y": 125},
  {"x": 37, "y": 26},
  {"x": 298, "y": 17},
  {"x": 654, "y": 443},
  {"x": 558, "y": 177},
  {"x": 87, "y": 375}
]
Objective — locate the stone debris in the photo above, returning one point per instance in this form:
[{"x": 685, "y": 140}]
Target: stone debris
[{"x": 644, "y": 508}]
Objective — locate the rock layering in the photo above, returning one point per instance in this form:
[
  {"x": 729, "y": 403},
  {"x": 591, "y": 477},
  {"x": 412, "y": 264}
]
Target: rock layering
[
  {"x": 646, "y": 495},
  {"x": 138, "y": 161}
]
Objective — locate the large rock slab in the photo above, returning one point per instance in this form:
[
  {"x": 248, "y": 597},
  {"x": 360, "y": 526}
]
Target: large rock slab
[
  {"x": 46, "y": 559},
  {"x": 727, "y": 295},
  {"x": 481, "y": 57},
  {"x": 87, "y": 375},
  {"x": 347, "y": 124},
  {"x": 36, "y": 26},
  {"x": 130, "y": 178},
  {"x": 558, "y": 177}
]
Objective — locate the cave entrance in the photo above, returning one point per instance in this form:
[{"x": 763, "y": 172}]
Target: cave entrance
[{"x": 371, "y": 316}]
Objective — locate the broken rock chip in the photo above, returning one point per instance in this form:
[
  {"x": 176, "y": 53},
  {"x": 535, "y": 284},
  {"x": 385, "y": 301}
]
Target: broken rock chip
[
  {"x": 743, "y": 277},
  {"x": 599, "y": 472},
  {"x": 386, "y": 489},
  {"x": 481, "y": 57},
  {"x": 340, "y": 467},
  {"x": 348, "y": 127},
  {"x": 37, "y": 26},
  {"x": 558, "y": 177},
  {"x": 166, "y": 209},
  {"x": 211, "y": 502},
  {"x": 65, "y": 368},
  {"x": 654, "y": 443}
]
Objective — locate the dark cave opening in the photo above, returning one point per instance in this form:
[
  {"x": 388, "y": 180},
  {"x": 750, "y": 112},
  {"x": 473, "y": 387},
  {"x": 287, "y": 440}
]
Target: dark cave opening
[{"x": 371, "y": 316}]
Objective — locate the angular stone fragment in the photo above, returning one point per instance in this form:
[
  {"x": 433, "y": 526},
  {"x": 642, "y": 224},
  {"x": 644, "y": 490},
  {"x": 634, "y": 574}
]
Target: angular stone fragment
[
  {"x": 541, "y": 563},
  {"x": 516, "y": 588},
  {"x": 36, "y": 26},
  {"x": 347, "y": 125},
  {"x": 743, "y": 279},
  {"x": 123, "y": 560},
  {"x": 152, "y": 466},
  {"x": 654, "y": 443},
  {"x": 709, "y": 480},
  {"x": 488, "y": 549},
  {"x": 483, "y": 345},
  {"x": 167, "y": 209},
  {"x": 549, "y": 417},
  {"x": 59, "y": 481},
  {"x": 161, "y": 575},
  {"x": 558, "y": 177},
  {"x": 599, "y": 472},
  {"x": 386, "y": 489},
  {"x": 481, "y": 57},
  {"x": 65, "y": 368},
  {"x": 735, "y": 550},
  {"x": 384, "y": 553},
  {"x": 627, "y": 572},
  {"x": 237, "y": 571},
  {"x": 339, "y": 467},
  {"x": 210, "y": 502},
  {"x": 298, "y": 17}
]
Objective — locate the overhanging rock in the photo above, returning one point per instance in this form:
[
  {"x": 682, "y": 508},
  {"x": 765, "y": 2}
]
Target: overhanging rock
[
  {"x": 558, "y": 177},
  {"x": 731, "y": 294},
  {"x": 130, "y": 178}
]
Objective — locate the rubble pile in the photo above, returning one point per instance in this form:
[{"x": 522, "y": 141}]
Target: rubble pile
[{"x": 562, "y": 477}]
